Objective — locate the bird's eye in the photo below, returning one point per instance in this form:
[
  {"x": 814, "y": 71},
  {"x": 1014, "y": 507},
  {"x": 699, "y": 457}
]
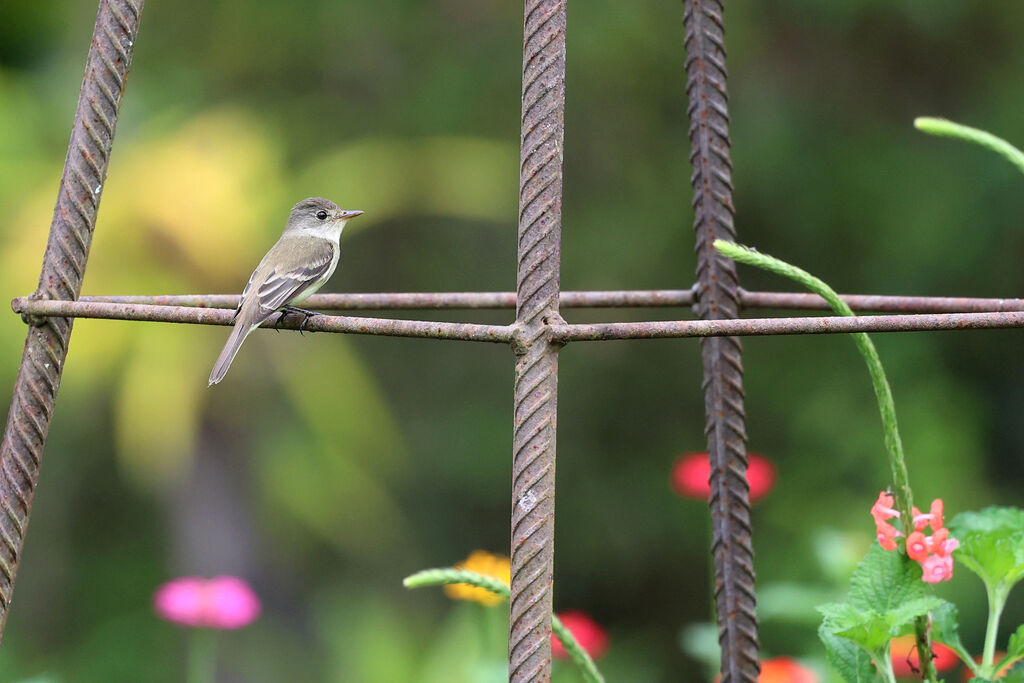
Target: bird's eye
[{"x": 321, "y": 215}]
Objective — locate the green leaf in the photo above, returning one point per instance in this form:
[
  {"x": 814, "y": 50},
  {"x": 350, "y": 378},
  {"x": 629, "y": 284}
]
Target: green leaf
[
  {"x": 946, "y": 630},
  {"x": 884, "y": 580},
  {"x": 992, "y": 545},
  {"x": 851, "y": 662},
  {"x": 1014, "y": 649},
  {"x": 901, "y": 616},
  {"x": 990, "y": 519},
  {"x": 872, "y": 630}
]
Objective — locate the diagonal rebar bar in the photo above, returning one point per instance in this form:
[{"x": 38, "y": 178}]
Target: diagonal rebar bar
[
  {"x": 78, "y": 198},
  {"x": 536, "y": 369},
  {"x": 718, "y": 298}
]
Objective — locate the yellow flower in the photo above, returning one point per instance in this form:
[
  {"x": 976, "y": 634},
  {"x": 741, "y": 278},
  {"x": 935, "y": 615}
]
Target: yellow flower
[{"x": 488, "y": 564}]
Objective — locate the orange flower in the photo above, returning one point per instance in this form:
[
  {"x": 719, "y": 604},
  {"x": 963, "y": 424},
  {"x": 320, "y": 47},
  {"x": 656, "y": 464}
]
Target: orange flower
[
  {"x": 488, "y": 564},
  {"x": 783, "y": 670},
  {"x": 903, "y": 651}
]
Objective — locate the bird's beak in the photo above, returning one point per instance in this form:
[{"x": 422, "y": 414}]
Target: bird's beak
[{"x": 345, "y": 215}]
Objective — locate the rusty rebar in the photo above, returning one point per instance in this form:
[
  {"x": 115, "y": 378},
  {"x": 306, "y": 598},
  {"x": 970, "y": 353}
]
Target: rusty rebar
[
  {"x": 761, "y": 327},
  {"x": 718, "y": 298},
  {"x": 389, "y": 327},
  {"x": 74, "y": 217},
  {"x": 629, "y": 298},
  {"x": 560, "y": 333},
  {"x": 536, "y": 370}
]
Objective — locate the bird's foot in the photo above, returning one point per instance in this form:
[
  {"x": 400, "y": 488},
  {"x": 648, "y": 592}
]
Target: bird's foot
[{"x": 301, "y": 311}]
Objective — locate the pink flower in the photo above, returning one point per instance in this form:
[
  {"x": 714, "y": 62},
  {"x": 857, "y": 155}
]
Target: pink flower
[
  {"x": 933, "y": 518},
  {"x": 918, "y": 546},
  {"x": 692, "y": 471},
  {"x": 937, "y": 568},
  {"x": 223, "y": 602},
  {"x": 587, "y": 632},
  {"x": 933, "y": 552},
  {"x": 887, "y": 535},
  {"x": 883, "y": 508},
  {"x": 941, "y": 544}
]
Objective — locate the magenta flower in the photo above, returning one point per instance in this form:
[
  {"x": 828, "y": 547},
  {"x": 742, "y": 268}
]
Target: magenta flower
[{"x": 223, "y": 602}]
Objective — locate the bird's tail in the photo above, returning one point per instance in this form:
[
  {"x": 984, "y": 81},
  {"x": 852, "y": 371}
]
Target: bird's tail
[{"x": 238, "y": 334}]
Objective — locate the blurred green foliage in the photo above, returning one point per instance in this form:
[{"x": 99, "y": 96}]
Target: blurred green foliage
[{"x": 326, "y": 468}]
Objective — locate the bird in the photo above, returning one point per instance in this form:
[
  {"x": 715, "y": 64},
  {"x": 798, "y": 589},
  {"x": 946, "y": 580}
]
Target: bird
[{"x": 301, "y": 261}]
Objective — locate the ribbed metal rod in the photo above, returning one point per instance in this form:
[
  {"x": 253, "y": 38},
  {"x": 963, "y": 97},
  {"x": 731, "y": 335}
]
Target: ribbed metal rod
[
  {"x": 630, "y": 298},
  {"x": 536, "y": 369},
  {"x": 74, "y": 217},
  {"x": 719, "y": 299},
  {"x": 221, "y": 316}
]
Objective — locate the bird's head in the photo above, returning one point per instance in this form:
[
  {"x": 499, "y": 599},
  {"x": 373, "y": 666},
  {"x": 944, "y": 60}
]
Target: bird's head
[{"x": 317, "y": 214}]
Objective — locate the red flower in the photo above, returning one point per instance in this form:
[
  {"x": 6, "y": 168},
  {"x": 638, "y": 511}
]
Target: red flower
[
  {"x": 692, "y": 471},
  {"x": 903, "y": 651},
  {"x": 587, "y": 632},
  {"x": 785, "y": 670}
]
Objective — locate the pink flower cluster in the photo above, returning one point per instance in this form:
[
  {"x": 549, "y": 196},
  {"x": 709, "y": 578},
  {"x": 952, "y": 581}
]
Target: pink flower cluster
[
  {"x": 223, "y": 602},
  {"x": 934, "y": 552}
]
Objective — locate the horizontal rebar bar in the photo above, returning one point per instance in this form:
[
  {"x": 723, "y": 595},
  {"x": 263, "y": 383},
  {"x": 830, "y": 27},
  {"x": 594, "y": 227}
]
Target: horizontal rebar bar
[
  {"x": 423, "y": 301},
  {"x": 741, "y": 327},
  {"x": 222, "y": 316},
  {"x": 636, "y": 298},
  {"x": 753, "y": 327},
  {"x": 881, "y": 303}
]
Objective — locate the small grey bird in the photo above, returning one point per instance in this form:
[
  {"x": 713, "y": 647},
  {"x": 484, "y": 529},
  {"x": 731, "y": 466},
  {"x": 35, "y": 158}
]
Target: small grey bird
[{"x": 303, "y": 259}]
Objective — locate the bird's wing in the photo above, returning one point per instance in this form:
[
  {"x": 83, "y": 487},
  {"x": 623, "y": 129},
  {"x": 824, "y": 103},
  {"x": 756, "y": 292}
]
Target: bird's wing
[{"x": 294, "y": 271}]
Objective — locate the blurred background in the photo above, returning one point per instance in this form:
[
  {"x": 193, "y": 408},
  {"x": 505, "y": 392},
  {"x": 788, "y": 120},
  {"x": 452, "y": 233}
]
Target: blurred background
[{"x": 327, "y": 467}]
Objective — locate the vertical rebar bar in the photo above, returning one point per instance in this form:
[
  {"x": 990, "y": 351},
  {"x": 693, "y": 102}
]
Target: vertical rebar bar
[
  {"x": 718, "y": 298},
  {"x": 536, "y": 371},
  {"x": 78, "y": 198}
]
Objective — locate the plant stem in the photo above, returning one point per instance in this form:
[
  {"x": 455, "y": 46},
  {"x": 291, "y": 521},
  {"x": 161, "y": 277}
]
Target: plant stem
[
  {"x": 202, "y": 660},
  {"x": 996, "y": 602},
  {"x": 883, "y": 661},
  {"x": 578, "y": 654},
  {"x": 979, "y": 137},
  {"x": 886, "y": 407},
  {"x": 440, "y": 577}
]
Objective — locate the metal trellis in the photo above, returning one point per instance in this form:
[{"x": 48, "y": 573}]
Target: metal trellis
[{"x": 536, "y": 335}]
